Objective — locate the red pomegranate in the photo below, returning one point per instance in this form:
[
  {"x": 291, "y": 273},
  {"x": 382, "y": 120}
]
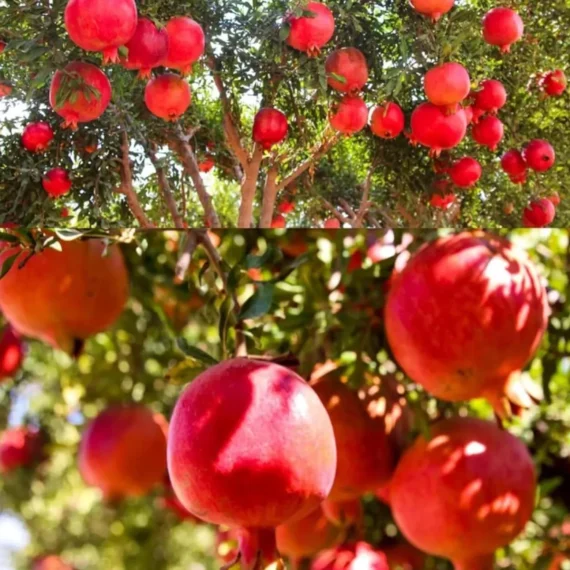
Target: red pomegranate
[
  {"x": 311, "y": 33},
  {"x": 539, "y": 213},
  {"x": 332, "y": 224},
  {"x": 433, "y": 128},
  {"x": 123, "y": 451},
  {"x": 2, "y": 46},
  {"x": 343, "y": 513},
  {"x": 387, "y": 121},
  {"x": 207, "y": 164},
  {"x": 351, "y": 556},
  {"x": 364, "y": 455},
  {"x": 102, "y": 26},
  {"x": 491, "y": 96},
  {"x": 554, "y": 198},
  {"x": 50, "y": 562},
  {"x": 475, "y": 114},
  {"x": 20, "y": 447},
  {"x": 488, "y": 132},
  {"x": 278, "y": 221},
  {"x": 37, "y": 136},
  {"x": 404, "y": 556},
  {"x": 442, "y": 201},
  {"x": 186, "y": 43},
  {"x": 502, "y": 27},
  {"x": 89, "y": 93},
  {"x": 56, "y": 182},
  {"x": 5, "y": 89},
  {"x": 263, "y": 454},
  {"x": 554, "y": 83},
  {"x": 286, "y": 207},
  {"x": 513, "y": 163},
  {"x": 270, "y": 127},
  {"x": 476, "y": 480},
  {"x": 466, "y": 280},
  {"x": 167, "y": 96},
  {"x": 465, "y": 172},
  {"x": 147, "y": 48},
  {"x": 447, "y": 85},
  {"x": 74, "y": 293},
  {"x": 350, "y": 115},
  {"x": 432, "y": 8},
  {"x": 539, "y": 155},
  {"x": 347, "y": 70},
  {"x": 11, "y": 352}
]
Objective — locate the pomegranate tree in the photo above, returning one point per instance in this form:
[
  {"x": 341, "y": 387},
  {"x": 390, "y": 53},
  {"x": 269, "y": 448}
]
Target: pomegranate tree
[
  {"x": 539, "y": 213},
  {"x": 11, "y": 352},
  {"x": 186, "y": 43},
  {"x": 466, "y": 172},
  {"x": 37, "y": 136},
  {"x": 347, "y": 70},
  {"x": 387, "y": 120},
  {"x": 488, "y": 132},
  {"x": 433, "y": 128},
  {"x": 167, "y": 96},
  {"x": 270, "y": 127},
  {"x": 502, "y": 27},
  {"x": 350, "y": 115},
  {"x": 56, "y": 182},
  {"x": 311, "y": 32},
  {"x": 147, "y": 48},
  {"x": 539, "y": 155},
  {"x": 447, "y": 85}
]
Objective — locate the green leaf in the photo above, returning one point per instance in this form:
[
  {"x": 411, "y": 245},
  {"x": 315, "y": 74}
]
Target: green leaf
[
  {"x": 9, "y": 238},
  {"x": 195, "y": 353},
  {"x": 284, "y": 32},
  {"x": 259, "y": 303},
  {"x": 226, "y": 309},
  {"x": 7, "y": 264}
]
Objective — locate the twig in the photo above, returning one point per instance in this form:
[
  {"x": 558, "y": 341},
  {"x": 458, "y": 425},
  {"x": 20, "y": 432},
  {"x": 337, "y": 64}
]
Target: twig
[
  {"x": 185, "y": 258},
  {"x": 364, "y": 204},
  {"x": 269, "y": 196},
  {"x": 348, "y": 209}
]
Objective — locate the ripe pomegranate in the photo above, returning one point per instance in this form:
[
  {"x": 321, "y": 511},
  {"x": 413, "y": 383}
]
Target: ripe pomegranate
[
  {"x": 305, "y": 537},
  {"x": 56, "y": 182},
  {"x": 102, "y": 26},
  {"x": 513, "y": 163},
  {"x": 270, "y": 127},
  {"x": 147, "y": 48},
  {"x": 475, "y": 480},
  {"x": 554, "y": 198},
  {"x": 404, "y": 556},
  {"x": 539, "y": 155},
  {"x": 442, "y": 202},
  {"x": 447, "y": 85},
  {"x": 465, "y": 280},
  {"x": 433, "y": 128},
  {"x": 278, "y": 221},
  {"x": 123, "y": 452},
  {"x": 364, "y": 455},
  {"x": 554, "y": 83},
  {"x": 37, "y": 136},
  {"x": 11, "y": 352},
  {"x": 432, "y": 8},
  {"x": 5, "y": 89},
  {"x": 539, "y": 213},
  {"x": 3, "y": 45},
  {"x": 207, "y": 164},
  {"x": 90, "y": 93},
  {"x": 50, "y": 562},
  {"x": 387, "y": 120},
  {"x": 20, "y": 447},
  {"x": 343, "y": 513},
  {"x": 311, "y": 33},
  {"x": 74, "y": 293},
  {"x": 502, "y": 27},
  {"x": 491, "y": 96},
  {"x": 332, "y": 224},
  {"x": 167, "y": 96},
  {"x": 286, "y": 207},
  {"x": 351, "y": 556},
  {"x": 350, "y": 115},
  {"x": 465, "y": 172},
  {"x": 347, "y": 70},
  {"x": 265, "y": 455},
  {"x": 186, "y": 43},
  {"x": 488, "y": 132}
]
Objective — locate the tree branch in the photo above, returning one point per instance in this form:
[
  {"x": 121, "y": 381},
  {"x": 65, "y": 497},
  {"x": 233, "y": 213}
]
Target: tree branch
[
  {"x": 185, "y": 258},
  {"x": 248, "y": 188},
  {"x": 364, "y": 203},
  {"x": 269, "y": 196}
]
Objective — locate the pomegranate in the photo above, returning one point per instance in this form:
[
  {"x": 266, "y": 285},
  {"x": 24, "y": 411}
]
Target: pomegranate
[
  {"x": 387, "y": 121},
  {"x": 64, "y": 297},
  {"x": 37, "y": 136},
  {"x": 432, "y": 8},
  {"x": 491, "y": 97},
  {"x": 278, "y": 221},
  {"x": 488, "y": 132},
  {"x": 307, "y": 536},
  {"x": 147, "y": 48},
  {"x": 270, "y": 127},
  {"x": 404, "y": 556},
  {"x": 350, "y": 115},
  {"x": 50, "y": 562},
  {"x": 167, "y": 96},
  {"x": 207, "y": 164},
  {"x": 475, "y": 480},
  {"x": 447, "y": 85},
  {"x": 3, "y": 45},
  {"x": 465, "y": 172},
  {"x": 186, "y": 43},
  {"x": 20, "y": 447},
  {"x": 351, "y": 556},
  {"x": 554, "y": 83},
  {"x": 469, "y": 115},
  {"x": 539, "y": 155},
  {"x": 263, "y": 454},
  {"x": 102, "y": 26},
  {"x": 433, "y": 128},
  {"x": 5, "y": 89},
  {"x": 475, "y": 114},
  {"x": 442, "y": 201},
  {"x": 311, "y": 32},
  {"x": 502, "y": 27},
  {"x": 343, "y": 513},
  {"x": 56, "y": 182},
  {"x": 90, "y": 93},
  {"x": 539, "y": 213},
  {"x": 364, "y": 454},
  {"x": 123, "y": 451},
  {"x": 332, "y": 224},
  {"x": 347, "y": 70},
  {"x": 513, "y": 163},
  {"x": 286, "y": 207},
  {"x": 554, "y": 198},
  {"x": 481, "y": 293},
  {"x": 11, "y": 352}
]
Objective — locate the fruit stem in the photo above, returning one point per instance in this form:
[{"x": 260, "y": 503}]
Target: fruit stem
[
  {"x": 257, "y": 547},
  {"x": 483, "y": 562}
]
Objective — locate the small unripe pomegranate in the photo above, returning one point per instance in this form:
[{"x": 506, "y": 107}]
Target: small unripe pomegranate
[
  {"x": 539, "y": 213},
  {"x": 20, "y": 447},
  {"x": 442, "y": 201},
  {"x": 502, "y": 27},
  {"x": 278, "y": 221},
  {"x": 433, "y": 8},
  {"x": 186, "y": 43},
  {"x": 491, "y": 96},
  {"x": 351, "y": 556},
  {"x": 147, "y": 48},
  {"x": 433, "y": 128},
  {"x": 11, "y": 352},
  {"x": 554, "y": 83},
  {"x": 554, "y": 198},
  {"x": 270, "y": 127},
  {"x": 447, "y": 85},
  {"x": 311, "y": 34},
  {"x": 488, "y": 132},
  {"x": 347, "y": 70},
  {"x": 513, "y": 163},
  {"x": 387, "y": 121},
  {"x": 167, "y": 96},
  {"x": 350, "y": 115},
  {"x": 332, "y": 223},
  {"x": 37, "y": 136},
  {"x": 465, "y": 172},
  {"x": 56, "y": 182},
  {"x": 539, "y": 155}
]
